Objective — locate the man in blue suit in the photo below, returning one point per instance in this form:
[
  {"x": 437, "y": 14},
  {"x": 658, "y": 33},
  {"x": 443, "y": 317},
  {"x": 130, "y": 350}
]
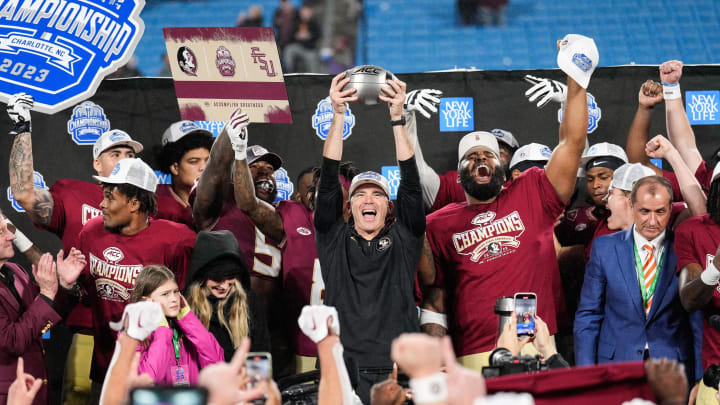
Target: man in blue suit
[{"x": 629, "y": 305}]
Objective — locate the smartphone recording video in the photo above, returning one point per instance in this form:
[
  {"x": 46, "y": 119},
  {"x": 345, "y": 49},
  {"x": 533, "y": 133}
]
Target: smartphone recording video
[
  {"x": 258, "y": 366},
  {"x": 525, "y": 309}
]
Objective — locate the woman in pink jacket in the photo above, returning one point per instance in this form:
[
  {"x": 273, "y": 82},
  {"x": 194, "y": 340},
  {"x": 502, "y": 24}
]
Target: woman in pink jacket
[{"x": 180, "y": 346}]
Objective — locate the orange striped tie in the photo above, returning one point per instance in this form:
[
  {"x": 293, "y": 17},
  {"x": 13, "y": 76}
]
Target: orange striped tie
[{"x": 649, "y": 272}]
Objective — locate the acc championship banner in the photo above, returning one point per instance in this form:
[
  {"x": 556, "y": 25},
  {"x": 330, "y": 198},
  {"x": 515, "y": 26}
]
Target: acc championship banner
[
  {"x": 217, "y": 70},
  {"x": 58, "y": 51}
]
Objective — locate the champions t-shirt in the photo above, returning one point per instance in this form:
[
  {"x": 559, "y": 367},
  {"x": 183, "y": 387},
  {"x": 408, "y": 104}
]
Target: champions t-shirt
[
  {"x": 114, "y": 262},
  {"x": 75, "y": 202},
  {"x": 696, "y": 241},
  {"x": 262, "y": 255},
  {"x": 487, "y": 251},
  {"x": 302, "y": 279},
  {"x": 171, "y": 207}
]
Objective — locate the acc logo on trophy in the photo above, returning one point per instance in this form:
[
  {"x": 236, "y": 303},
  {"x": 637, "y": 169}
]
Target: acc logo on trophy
[
  {"x": 59, "y": 51},
  {"x": 87, "y": 123},
  {"x": 38, "y": 181},
  {"x": 322, "y": 119},
  {"x": 284, "y": 185}
]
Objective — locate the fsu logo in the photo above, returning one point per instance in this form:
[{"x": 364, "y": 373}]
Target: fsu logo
[
  {"x": 111, "y": 290},
  {"x": 303, "y": 231},
  {"x": 187, "y": 61},
  {"x": 384, "y": 243},
  {"x": 224, "y": 62},
  {"x": 259, "y": 58},
  {"x": 492, "y": 238},
  {"x": 113, "y": 254}
]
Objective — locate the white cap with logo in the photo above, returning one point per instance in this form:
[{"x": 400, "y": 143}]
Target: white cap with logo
[
  {"x": 112, "y": 138},
  {"x": 602, "y": 149},
  {"x": 578, "y": 57},
  {"x": 505, "y": 137},
  {"x": 535, "y": 152},
  {"x": 628, "y": 174},
  {"x": 478, "y": 138},
  {"x": 181, "y": 128},
  {"x": 132, "y": 171},
  {"x": 370, "y": 177}
]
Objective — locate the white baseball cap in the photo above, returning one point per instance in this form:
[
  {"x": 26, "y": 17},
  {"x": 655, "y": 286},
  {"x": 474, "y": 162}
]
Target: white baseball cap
[
  {"x": 578, "y": 57},
  {"x": 132, "y": 171},
  {"x": 257, "y": 152},
  {"x": 505, "y": 137},
  {"x": 611, "y": 151},
  {"x": 478, "y": 138},
  {"x": 181, "y": 128},
  {"x": 370, "y": 177},
  {"x": 628, "y": 174},
  {"x": 535, "y": 152},
  {"x": 716, "y": 172},
  {"x": 115, "y": 137}
]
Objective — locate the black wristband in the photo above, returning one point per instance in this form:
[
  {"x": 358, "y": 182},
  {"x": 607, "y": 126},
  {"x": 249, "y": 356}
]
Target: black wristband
[
  {"x": 20, "y": 127},
  {"x": 401, "y": 121}
]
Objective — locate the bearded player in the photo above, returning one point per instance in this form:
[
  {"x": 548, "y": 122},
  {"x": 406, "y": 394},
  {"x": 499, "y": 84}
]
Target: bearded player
[
  {"x": 63, "y": 210},
  {"x": 118, "y": 245},
  {"x": 519, "y": 218},
  {"x": 291, "y": 222}
]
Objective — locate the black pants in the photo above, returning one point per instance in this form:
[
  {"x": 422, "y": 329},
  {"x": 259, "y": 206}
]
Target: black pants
[{"x": 367, "y": 377}]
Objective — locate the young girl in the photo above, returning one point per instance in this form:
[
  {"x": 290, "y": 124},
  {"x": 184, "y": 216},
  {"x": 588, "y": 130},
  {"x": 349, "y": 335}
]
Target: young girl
[{"x": 180, "y": 346}]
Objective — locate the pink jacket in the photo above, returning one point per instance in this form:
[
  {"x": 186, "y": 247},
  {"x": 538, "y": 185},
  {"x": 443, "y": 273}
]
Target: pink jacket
[{"x": 198, "y": 349}]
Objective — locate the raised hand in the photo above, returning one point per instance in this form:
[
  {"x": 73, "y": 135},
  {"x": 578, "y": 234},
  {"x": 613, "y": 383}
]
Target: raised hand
[
  {"x": 424, "y": 101},
  {"x": 545, "y": 90},
  {"x": 236, "y": 128},
  {"x": 319, "y": 321},
  {"x": 394, "y": 94},
  {"x": 417, "y": 354},
  {"x": 69, "y": 269},
  {"x": 671, "y": 71},
  {"x": 658, "y": 147},
  {"x": 46, "y": 276},
  {"x": 650, "y": 94},
  {"x": 464, "y": 385},
  {"x": 19, "y": 106},
  {"x": 338, "y": 96},
  {"x": 22, "y": 391},
  {"x": 140, "y": 319},
  {"x": 224, "y": 381}
]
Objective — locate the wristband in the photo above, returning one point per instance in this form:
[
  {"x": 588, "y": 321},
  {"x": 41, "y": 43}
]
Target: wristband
[
  {"x": 21, "y": 242},
  {"x": 671, "y": 91},
  {"x": 429, "y": 389},
  {"x": 711, "y": 275},
  {"x": 241, "y": 154},
  {"x": 401, "y": 121},
  {"x": 427, "y": 316},
  {"x": 20, "y": 127}
]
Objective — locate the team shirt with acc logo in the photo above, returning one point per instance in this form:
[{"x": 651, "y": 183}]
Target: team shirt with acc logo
[
  {"x": 114, "y": 262},
  {"x": 696, "y": 241},
  {"x": 487, "y": 251}
]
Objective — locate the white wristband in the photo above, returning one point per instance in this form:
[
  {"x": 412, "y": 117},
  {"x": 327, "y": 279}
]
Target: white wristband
[
  {"x": 21, "y": 242},
  {"x": 671, "y": 91},
  {"x": 429, "y": 389},
  {"x": 427, "y": 316},
  {"x": 711, "y": 275},
  {"x": 241, "y": 155}
]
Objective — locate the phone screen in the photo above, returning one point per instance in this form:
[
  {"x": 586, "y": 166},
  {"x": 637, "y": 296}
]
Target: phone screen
[
  {"x": 258, "y": 366},
  {"x": 169, "y": 396},
  {"x": 525, "y": 309}
]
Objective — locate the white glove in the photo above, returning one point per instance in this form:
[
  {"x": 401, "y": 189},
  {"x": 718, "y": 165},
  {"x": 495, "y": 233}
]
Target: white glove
[
  {"x": 238, "y": 134},
  {"x": 424, "y": 101},
  {"x": 313, "y": 322},
  {"x": 545, "y": 89},
  {"x": 142, "y": 317},
  {"x": 18, "y": 108}
]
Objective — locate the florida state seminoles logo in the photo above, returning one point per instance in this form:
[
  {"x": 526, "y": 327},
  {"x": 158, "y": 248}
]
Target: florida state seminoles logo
[
  {"x": 224, "y": 62},
  {"x": 187, "y": 61}
]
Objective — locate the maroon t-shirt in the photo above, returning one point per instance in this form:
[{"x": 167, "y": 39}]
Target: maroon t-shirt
[
  {"x": 577, "y": 225},
  {"x": 114, "y": 261},
  {"x": 301, "y": 276},
  {"x": 696, "y": 241},
  {"x": 703, "y": 174},
  {"x": 262, "y": 255},
  {"x": 487, "y": 251},
  {"x": 171, "y": 207},
  {"x": 672, "y": 178},
  {"x": 450, "y": 191},
  {"x": 75, "y": 202}
]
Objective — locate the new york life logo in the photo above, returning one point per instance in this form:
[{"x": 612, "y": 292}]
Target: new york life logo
[
  {"x": 594, "y": 113},
  {"x": 702, "y": 107},
  {"x": 392, "y": 174},
  {"x": 284, "y": 185},
  {"x": 38, "y": 182},
  {"x": 58, "y": 51},
  {"x": 456, "y": 114},
  {"x": 322, "y": 119}
]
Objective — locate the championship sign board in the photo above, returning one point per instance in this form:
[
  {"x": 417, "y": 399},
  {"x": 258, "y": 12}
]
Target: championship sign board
[
  {"x": 58, "y": 51},
  {"x": 217, "y": 70}
]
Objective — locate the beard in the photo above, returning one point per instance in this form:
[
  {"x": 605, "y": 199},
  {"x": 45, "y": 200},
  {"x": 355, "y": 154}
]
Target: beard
[{"x": 482, "y": 192}]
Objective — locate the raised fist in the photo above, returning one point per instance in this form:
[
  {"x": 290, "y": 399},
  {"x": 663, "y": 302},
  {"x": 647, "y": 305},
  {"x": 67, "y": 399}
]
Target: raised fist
[
  {"x": 237, "y": 132},
  {"x": 424, "y": 101},
  {"x": 650, "y": 94},
  {"x": 314, "y": 320},
  {"x": 671, "y": 71},
  {"x": 546, "y": 90},
  {"x": 19, "y": 106},
  {"x": 140, "y": 319},
  {"x": 658, "y": 147}
]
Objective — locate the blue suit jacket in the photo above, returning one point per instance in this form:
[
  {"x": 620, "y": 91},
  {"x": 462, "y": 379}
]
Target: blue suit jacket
[{"x": 610, "y": 323}]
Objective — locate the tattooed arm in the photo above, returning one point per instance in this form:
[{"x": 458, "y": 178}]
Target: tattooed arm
[
  {"x": 37, "y": 202},
  {"x": 260, "y": 212},
  {"x": 213, "y": 184}
]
